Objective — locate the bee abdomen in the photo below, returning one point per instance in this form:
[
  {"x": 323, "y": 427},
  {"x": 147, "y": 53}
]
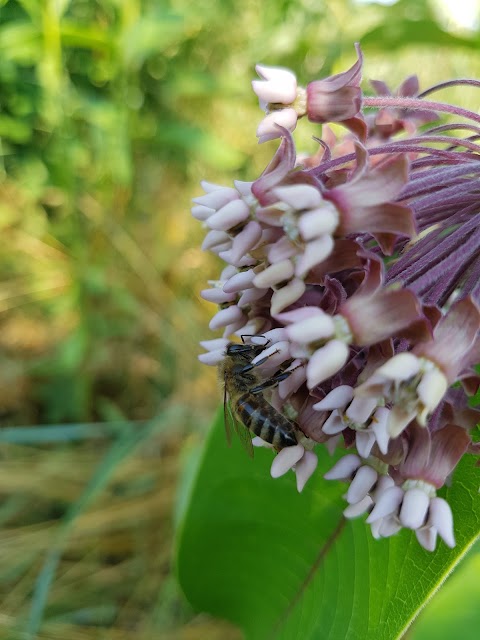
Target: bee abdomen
[{"x": 266, "y": 422}]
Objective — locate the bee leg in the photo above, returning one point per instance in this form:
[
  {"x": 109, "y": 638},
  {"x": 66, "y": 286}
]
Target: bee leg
[
  {"x": 274, "y": 380},
  {"x": 251, "y": 335},
  {"x": 251, "y": 366},
  {"x": 271, "y": 382}
]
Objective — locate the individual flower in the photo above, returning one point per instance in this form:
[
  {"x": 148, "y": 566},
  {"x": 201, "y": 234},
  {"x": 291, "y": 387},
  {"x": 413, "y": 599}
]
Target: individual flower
[
  {"x": 414, "y": 504},
  {"x": 361, "y": 415},
  {"x": 415, "y": 382},
  {"x": 337, "y": 98},
  {"x": 297, "y": 458},
  {"x": 389, "y": 121},
  {"x": 280, "y": 98}
]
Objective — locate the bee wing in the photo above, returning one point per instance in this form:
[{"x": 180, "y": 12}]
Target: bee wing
[
  {"x": 228, "y": 418},
  {"x": 240, "y": 429},
  {"x": 244, "y": 436}
]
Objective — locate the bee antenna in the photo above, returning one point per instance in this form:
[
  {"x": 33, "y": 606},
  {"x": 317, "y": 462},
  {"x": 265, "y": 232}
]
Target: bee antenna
[{"x": 252, "y": 335}]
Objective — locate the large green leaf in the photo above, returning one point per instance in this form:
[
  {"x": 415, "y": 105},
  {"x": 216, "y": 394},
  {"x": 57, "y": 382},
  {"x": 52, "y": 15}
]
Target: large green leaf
[
  {"x": 283, "y": 565},
  {"x": 454, "y": 613}
]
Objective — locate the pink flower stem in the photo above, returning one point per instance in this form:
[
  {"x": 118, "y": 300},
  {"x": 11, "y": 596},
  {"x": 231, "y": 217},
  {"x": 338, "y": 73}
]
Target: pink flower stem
[
  {"x": 415, "y": 103},
  {"x": 449, "y": 83}
]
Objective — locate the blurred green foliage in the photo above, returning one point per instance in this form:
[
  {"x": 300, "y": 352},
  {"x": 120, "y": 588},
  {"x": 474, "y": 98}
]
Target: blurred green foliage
[{"x": 111, "y": 112}]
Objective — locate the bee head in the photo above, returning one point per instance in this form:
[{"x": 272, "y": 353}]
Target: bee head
[{"x": 245, "y": 352}]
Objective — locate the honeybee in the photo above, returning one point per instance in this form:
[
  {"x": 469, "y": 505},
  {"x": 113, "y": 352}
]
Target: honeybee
[{"x": 244, "y": 403}]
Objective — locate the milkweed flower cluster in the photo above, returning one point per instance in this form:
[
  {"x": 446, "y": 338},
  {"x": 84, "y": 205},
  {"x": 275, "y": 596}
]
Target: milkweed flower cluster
[{"x": 361, "y": 266}]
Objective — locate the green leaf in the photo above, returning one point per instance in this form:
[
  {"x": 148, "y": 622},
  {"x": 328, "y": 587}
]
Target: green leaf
[
  {"x": 14, "y": 129},
  {"x": 283, "y": 565},
  {"x": 401, "y": 33},
  {"x": 20, "y": 41},
  {"x": 152, "y": 33},
  {"x": 86, "y": 37},
  {"x": 454, "y": 613}
]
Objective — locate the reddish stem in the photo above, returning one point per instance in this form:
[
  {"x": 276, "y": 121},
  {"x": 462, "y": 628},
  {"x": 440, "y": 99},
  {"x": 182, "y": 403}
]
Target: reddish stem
[{"x": 415, "y": 103}]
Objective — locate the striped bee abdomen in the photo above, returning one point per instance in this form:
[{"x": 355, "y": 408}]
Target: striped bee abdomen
[{"x": 265, "y": 422}]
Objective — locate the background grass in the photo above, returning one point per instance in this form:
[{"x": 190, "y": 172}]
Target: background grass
[{"x": 111, "y": 113}]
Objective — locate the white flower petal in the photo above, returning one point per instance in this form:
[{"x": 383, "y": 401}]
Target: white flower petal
[
  {"x": 414, "y": 508},
  {"x": 299, "y": 196},
  {"x": 281, "y": 250},
  {"x": 334, "y": 424},
  {"x": 272, "y": 336},
  {"x": 311, "y": 329},
  {"x": 276, "y": 354},
  {"x": 218, "y": 296},
  {"x": 212, "y": 358},
  {"x": 294, "y": 380},
  {"x": 217, "y": 198},
  {"x": 326, "y": 361},
  {"x": 249, "y": 296},
  {"x": 389, "y": 526},
  {"x": 244, "y": 188},
  {"x": 258, "y": 442},
  {"x": 361, "y": 484},
  {"x": 386, "y": 503},
  {"x": 379, "y": 426},
  {"x": 225, "y": 317},
  {"x": 383, "y": 483},
  {"x": 287, "y": 295},
  {"x": 245, "y": 240},
  {"x": 358, "y": 508},
  {"x": 201, "y": 212},
  {"x": 275, "y": 91},
  {"x": 344, "y": 468},
  {"x": 360, "y": 409},
  {"x": 320, "y": 221},
  {"x": 315, "y": 251},
  {"x": 401, "y": 367},
  {"x": 427, "y": 537},
  {"x": 364, "y": 441},
  {"x": 338, "y": 398},
  {"x": 305, "y": 468},
  {"x": 442, "y": 519},
  {"x": 268, "y": 129},
  {"x": 431, "y": 389},
  {"x": 375, "y": 529},
  {"x": 215, "y": 238},
  {"x": 216, "y": 343},
  {"x": 274, "y": 274},
  {"x": 240, "y": 281},
  {"x": 274, "y": 73},
  {"x": 399, "y": 420},
  {"x": 229, "y": 215},
  {"x": 285, "y": 460}
]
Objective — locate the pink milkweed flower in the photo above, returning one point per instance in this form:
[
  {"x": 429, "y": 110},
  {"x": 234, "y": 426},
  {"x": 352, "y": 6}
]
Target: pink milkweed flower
[
  {"x": 337, "y": 98},
  {"x": 387, "y": 122},
  {"x": 268, "y": 129},
  {"x": 414, "y": 505},
  {"x": 415, "y": 382},
  {"x": 365, "y": 202},
  {"x": 361, "y": 265},
  {"x": 277, "y": 85},
  {"x": 280, "y": 98},
  {"x": 297, "y": 458}
]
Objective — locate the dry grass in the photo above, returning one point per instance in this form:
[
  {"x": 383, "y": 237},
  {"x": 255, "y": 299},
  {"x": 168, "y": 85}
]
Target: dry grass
[{"x": 114, "y": 577}]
